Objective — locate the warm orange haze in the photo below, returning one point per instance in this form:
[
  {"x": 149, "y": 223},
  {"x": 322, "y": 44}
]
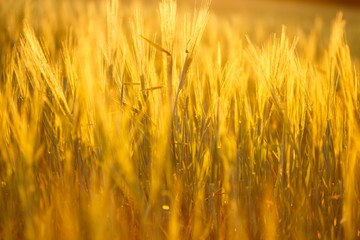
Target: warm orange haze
[{"x": 170, "y": 119}]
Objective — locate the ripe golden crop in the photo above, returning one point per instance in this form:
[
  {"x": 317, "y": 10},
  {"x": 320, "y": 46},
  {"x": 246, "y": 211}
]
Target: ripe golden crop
[{"x": 125, "y": 121}]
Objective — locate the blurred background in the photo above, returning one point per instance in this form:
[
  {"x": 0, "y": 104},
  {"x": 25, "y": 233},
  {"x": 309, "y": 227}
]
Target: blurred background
[
  {"x": 303, "y": 18},
  {"x": 259, "y": 19}
]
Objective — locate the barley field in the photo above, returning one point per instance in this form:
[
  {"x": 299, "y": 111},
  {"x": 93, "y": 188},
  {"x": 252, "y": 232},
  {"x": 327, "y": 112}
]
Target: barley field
[{"x": 179, "y": 120}]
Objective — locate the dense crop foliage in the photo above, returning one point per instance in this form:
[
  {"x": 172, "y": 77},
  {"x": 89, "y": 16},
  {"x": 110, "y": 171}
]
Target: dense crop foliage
[{"x": 117, "y": 123}]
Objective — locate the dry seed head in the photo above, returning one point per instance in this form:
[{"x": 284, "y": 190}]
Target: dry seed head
[
  {"x": 35, "y": 60},
  {"x": 168, "y": 23},
  {"x": 200, "y": 20},
  {"x": 139, "y": 44}
]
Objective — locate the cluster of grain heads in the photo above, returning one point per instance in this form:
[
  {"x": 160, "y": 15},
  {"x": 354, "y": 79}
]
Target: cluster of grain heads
[
  {"x": 293, "y": 118},
  {"x": 343, "y": 129},
  {"x": 38, "y": 66},
  {"x": 109, "y": 133}
]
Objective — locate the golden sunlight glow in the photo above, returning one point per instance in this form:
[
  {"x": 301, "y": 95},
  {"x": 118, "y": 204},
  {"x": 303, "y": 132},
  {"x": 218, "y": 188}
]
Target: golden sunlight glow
[{"x": 166, "y": 119}]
